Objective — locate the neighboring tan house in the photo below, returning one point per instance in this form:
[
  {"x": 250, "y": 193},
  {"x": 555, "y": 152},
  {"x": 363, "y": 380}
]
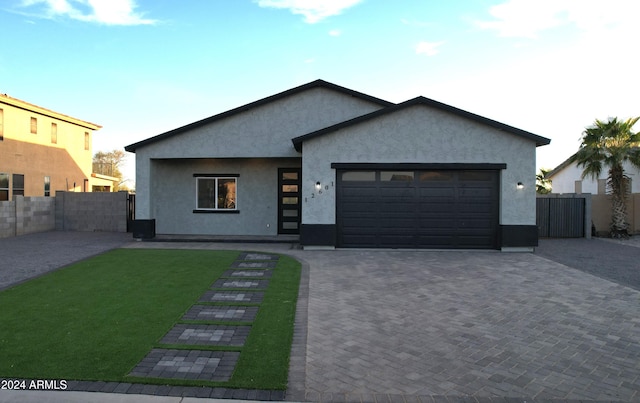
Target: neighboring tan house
[
  {"x": 42, "y": 151},
  {"x": 344, "y": 169}
]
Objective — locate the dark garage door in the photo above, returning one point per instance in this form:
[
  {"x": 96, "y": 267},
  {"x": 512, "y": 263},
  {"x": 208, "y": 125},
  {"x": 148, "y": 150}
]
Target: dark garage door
[{"x": 445, "y": 209}]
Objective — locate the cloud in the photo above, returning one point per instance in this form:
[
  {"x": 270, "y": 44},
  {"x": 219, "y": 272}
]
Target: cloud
[
  {"x": 108, "y": 12},
  {"x": 335, "y": 32},
  {"x": 313, "y": 10},
  {"x": 527, "y": 18},
  {"x": 428, "y": 48}
]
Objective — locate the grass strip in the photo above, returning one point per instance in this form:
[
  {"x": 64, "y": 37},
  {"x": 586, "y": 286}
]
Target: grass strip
[{"x": 272, "y": 332}]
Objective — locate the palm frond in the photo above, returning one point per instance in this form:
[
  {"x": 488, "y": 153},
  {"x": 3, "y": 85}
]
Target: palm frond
[{"x": 608, "y": 144}]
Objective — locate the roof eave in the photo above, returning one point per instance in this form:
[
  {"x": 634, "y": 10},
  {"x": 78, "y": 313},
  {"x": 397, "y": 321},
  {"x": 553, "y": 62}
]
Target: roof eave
[{"x": 560, "y": 167}]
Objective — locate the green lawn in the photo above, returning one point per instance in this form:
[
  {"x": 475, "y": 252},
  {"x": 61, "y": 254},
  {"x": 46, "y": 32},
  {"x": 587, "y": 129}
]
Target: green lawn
[{"x": 95, "y": 320}]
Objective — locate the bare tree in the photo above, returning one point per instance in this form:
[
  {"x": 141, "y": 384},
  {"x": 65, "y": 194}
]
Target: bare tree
[{"x": 109, "y": 163}]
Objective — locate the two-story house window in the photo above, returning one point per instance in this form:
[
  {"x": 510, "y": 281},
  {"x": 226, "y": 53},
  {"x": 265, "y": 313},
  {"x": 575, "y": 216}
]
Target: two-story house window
[
  {"x": 34, "y": 126},
  {"x": 87, "y": 141},
  {"x": 4, "y": 187},
  {"x": 54, "y": 133},
  {"x": 1, "y": 124},
  {"x": 47, "y": 186},
  {"x": 18, "y": 184}
]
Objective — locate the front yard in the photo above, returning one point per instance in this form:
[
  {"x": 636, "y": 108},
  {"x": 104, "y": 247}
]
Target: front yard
[{"x": 97, "y": 319}]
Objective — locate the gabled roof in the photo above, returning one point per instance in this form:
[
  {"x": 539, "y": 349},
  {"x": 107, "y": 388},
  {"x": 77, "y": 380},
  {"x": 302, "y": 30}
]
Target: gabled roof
[
  {"x": 560, "y": 167},
  {"x": 264, "y": 101},
  {"x": 297, "y": 142}
]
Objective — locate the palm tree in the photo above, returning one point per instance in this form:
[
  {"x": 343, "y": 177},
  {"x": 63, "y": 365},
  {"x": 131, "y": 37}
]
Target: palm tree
[
  {"x": 543, "y": 184},
  {"x": 608, "y": 145}
]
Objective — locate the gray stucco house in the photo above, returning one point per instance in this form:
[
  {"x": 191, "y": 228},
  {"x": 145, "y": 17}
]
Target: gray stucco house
[{"x": 344, "y": 169}]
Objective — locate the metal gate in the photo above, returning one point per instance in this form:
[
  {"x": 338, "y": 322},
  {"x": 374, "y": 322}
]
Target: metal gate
[
  {"x": 560, "y": 217},
  {"x": 131, "y": 211}
]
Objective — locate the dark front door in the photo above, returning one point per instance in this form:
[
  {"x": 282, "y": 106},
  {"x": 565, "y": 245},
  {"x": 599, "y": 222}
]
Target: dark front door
[{"x": 289, "y": 200}]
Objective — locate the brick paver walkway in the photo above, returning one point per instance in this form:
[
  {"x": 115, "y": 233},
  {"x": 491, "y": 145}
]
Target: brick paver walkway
[{"x": 28, "y": 256}]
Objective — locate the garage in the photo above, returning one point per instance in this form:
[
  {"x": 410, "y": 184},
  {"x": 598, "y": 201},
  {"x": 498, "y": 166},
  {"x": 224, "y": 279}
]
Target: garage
[{"x": 418, "y": 206}]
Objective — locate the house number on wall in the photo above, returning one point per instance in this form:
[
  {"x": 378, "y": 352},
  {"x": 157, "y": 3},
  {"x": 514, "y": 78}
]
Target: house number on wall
[{"x": 313, "y": 195}]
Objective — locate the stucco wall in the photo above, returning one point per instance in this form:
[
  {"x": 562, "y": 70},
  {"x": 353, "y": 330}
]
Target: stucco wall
[
  {"x": 420, "y": 135},
  {"x": 173, "y": 196},
  {"x": 601, "y": 213},
  {"x": 262, "y": 132}
]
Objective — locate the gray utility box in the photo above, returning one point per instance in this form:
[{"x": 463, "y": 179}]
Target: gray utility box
[{"x": 144, "y": 229}]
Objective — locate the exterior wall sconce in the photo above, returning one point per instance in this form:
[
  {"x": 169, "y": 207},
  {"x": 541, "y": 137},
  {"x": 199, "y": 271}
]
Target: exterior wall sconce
[
  {"x": 519, "y": 186},
  {"x": 318, "y": 186}
]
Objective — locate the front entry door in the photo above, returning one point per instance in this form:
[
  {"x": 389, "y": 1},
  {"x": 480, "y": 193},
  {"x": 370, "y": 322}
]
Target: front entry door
[{"x": 289, "y": 200}]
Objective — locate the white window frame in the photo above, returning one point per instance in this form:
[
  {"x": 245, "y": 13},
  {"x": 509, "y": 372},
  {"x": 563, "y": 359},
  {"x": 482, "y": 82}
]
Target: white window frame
[{"x": 215, "y": 197}]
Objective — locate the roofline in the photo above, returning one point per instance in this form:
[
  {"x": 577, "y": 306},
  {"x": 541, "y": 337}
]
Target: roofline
[
  {"x": 20, "y": 104},
  {"x": 105, "y": 177},
  {"x": 560, "y": 167},
  {"x": 540, "y": 141},
  {"x": 263, "y": 101}
]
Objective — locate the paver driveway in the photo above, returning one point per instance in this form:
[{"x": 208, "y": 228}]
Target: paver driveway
[
  {"x": 463, "y": 323},
  {"x": 396, "y": 325}
]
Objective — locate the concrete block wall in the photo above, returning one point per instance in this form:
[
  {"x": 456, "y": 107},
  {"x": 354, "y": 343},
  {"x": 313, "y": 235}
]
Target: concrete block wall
[
  {"x": 100, "y": 211},
  {"x": 26, "y": 215},
  {"x": 7, "y": 219}
]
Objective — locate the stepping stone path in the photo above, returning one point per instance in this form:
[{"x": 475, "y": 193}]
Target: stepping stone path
[
  {"x": 244, "y": 282},
  {"x": 182, "y": 364},
  {"x": 230, "y": 313},
  {"x": 232, "y": 296},
  {"x": 247, "y": 273}
]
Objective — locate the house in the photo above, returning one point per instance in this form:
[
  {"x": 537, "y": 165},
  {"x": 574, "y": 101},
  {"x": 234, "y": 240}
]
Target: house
[
  {"x": 42, "y": 151},
  {"x": 343, "y": 169},
  {"x": 567, "y": 178}
]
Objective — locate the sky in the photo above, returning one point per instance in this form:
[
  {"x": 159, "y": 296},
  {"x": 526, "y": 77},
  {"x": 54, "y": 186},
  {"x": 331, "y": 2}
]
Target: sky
[{"x": 140, "y": 68}]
